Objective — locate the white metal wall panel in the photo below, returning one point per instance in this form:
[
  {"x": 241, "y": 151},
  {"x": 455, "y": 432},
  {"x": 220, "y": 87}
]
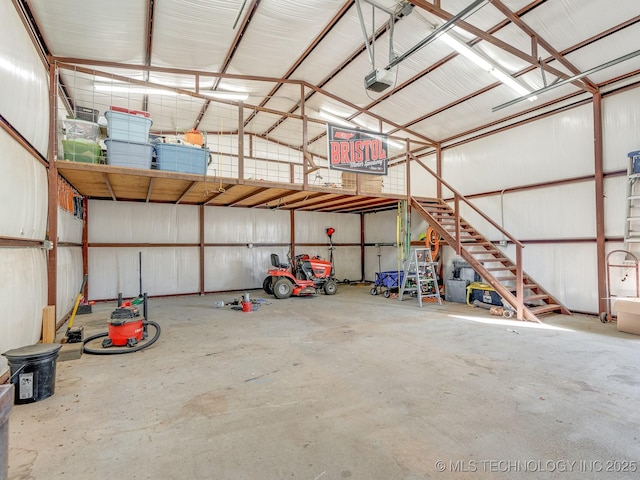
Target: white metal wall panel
[
  {"x": 69, "y": 279},
  {"x": 246, "y": 225},
  {"x": 311, "y": 227},
  {"x": 24, "y": 101},
  {"x": 135, "y": 222},
  {"x": 566, "y": 270},
  {"x": 380, "y": 228},
  {"x": 23, "y": 192},
  {"x": 423, "y": 184},
  {"x": 555, "y": 147},
  {"x": 621, "y": 126},
  {"x": 23, "y": 276},
  {"x": 236, "y": 268},
  {"x": 565, "y": 211},
  {"x": 165, "y": 271},
  {"x": 69, "y": 227},
  {"x": 615, "y": 199}
]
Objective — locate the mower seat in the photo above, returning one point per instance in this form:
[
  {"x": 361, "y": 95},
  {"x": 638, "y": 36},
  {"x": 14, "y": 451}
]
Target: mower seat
[{"x": 275, "y": 261}]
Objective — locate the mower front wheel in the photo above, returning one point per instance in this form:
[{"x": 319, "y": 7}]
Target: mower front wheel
[
  {"x": 282, "y": 288},
  {"x": 330, "y": 287},
  {"x": 267, "y": 285}
]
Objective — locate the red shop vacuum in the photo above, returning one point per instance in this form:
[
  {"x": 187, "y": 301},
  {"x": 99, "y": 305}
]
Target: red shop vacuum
[{"x": 126, "y": 328}]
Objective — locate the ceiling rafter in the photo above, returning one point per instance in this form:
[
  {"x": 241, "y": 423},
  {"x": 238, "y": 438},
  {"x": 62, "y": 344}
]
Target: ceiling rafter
[
  {"x": 186, "y": 191},
  {"x": 450, "y": 57},
  {"x": 230, "y": 53},
  {"x": 364, "y": 198},
  {"x": 517, "y": 20},
  {"x": 247, "y": 196},
  {"x": 316, "y": 41},
  {"x": 346, "y": 62},
  {"x": 478, "y": 32},
  {"x": 564, "y": 52},
  {"x": 273, "y": 198},
  {"x": 429, "y": 69}
]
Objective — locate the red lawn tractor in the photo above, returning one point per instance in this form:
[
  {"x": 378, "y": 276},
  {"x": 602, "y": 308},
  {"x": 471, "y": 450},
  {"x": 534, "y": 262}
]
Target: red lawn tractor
[{"x": 305, "y": 276}]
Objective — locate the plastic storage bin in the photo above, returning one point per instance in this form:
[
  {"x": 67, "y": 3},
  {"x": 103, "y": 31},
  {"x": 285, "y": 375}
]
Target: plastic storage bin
[
  {"x": 75, "y": 129},
  {"x": 129, "y": 154},
  {"x": 126, "y": 127},
  {"x": 81, "y": 151},
  {"x": 181, "y": 158}
]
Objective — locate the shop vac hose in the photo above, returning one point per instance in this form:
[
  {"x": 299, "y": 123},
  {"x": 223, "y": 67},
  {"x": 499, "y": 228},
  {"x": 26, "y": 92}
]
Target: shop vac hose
[{"x": 107, "y": 351}]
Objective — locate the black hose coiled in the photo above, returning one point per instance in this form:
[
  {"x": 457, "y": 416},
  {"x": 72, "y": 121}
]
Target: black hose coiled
[{"x": 106, "y": 351}]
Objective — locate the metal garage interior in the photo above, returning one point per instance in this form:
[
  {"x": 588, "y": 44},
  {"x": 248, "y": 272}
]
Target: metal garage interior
[{"x": 509, "y": 127}]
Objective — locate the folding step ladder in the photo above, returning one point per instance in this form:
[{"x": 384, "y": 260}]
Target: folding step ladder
[
  {"x": 632, "y": 223},
  {"x": 419, "y": 276}
]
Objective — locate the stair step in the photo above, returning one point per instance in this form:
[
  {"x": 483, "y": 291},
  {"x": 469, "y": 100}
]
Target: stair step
[
  {"x": 544, "y": 308},
  {"x": 504, "y": 279},
  {"x": 491, "y": 251},
  {"x": 533, "y": 298},
  {"x": 512, "y": 268}
]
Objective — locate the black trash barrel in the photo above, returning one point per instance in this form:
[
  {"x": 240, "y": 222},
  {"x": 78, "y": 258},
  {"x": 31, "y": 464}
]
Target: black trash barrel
[{"x": 33, "y": 371}]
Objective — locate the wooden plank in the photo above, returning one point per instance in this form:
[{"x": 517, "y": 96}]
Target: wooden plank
[{"x": 49, "y": 324}]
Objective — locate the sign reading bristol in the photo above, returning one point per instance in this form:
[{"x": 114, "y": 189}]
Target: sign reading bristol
[{"x": 357, "y": 151}]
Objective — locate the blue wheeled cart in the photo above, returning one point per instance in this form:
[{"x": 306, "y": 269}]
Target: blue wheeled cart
[{"x": 386, "y": 281}]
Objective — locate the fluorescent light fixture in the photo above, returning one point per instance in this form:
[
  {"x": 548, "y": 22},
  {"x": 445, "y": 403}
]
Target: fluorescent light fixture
[
  {"x": 132, "y": 89},
  {"x": 335, "y": 119},
  {"x": 168, "y": 91},
  {"x": 467, "y": 52},
  {"x": 396, "y": 144},
  {"x": 239, "y": 96}
]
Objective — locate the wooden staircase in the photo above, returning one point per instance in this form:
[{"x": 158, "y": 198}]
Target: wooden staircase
[{"x": 517, "y": 288}]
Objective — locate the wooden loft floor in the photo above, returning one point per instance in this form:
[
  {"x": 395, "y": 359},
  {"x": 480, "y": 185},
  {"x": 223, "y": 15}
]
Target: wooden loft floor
[{"x": 107, "y": 182}]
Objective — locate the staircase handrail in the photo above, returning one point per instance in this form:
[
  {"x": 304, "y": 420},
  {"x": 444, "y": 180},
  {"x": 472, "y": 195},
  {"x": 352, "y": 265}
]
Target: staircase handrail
[
  {"x": 519, "y": 296},
  {"x": 458, "y": 195}
]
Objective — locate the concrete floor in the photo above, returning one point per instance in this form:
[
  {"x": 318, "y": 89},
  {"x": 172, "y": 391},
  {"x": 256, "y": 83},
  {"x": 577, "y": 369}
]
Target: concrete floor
[{"x": 352, "y": 386}]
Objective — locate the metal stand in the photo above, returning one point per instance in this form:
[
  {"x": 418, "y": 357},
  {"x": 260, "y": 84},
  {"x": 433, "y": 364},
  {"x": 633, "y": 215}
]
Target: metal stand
[{"x": 629, "y": 262}]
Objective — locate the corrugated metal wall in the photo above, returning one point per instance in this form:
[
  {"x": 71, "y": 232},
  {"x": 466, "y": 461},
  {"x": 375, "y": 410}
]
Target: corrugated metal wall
[
  {"x": 23, "y": 185},
  {"x": 238, "y": 244}
]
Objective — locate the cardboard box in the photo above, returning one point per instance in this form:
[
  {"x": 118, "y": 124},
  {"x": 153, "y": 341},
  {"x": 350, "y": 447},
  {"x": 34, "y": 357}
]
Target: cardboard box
[
  {"x": 628, "y": 314},
  {"x": 368, "y": 183}
]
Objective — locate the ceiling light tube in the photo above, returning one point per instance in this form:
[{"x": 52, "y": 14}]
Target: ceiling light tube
[
  {"x": 132, "y": 89},
  {"x": 467, "y": 52},
  {"x": 168, "y": 91},
  {"x": 470, "y": 10},
  {"x": 335, "y": 119},
  {"x": 396, "y": 144},
  {"x": 239, "y": 96},
  {"x": 586, "y": 73}
]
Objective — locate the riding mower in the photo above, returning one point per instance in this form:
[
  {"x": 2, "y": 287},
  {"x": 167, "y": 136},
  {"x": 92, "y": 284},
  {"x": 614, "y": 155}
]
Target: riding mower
[{"x": 305, "y": 276}]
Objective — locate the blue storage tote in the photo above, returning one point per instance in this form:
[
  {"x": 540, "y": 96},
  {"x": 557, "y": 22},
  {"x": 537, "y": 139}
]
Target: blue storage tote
[
  {"x": 129, "y": 154},
  {"x": 126, "y": 127},
  {"x": 182, "y": 158}
]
